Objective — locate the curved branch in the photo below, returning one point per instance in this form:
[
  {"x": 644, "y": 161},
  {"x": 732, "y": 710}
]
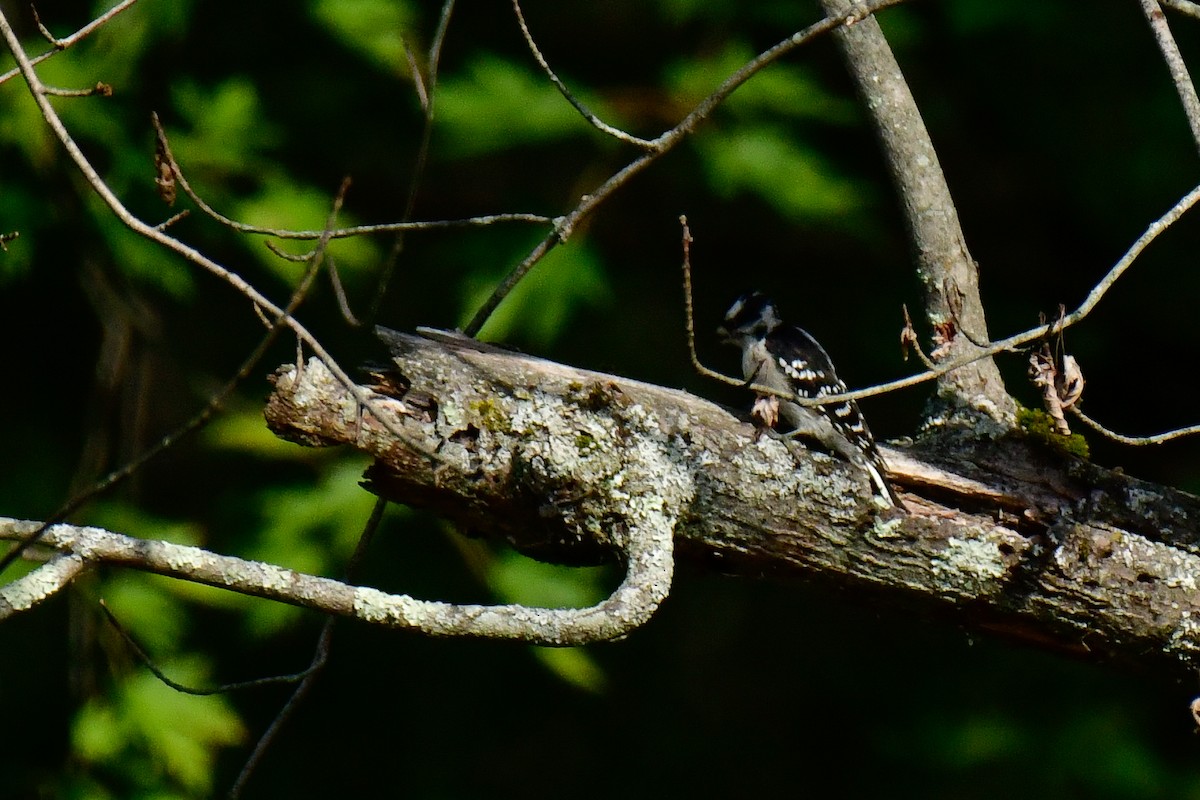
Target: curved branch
[
  {"x": 583, "y": 110},
  {"x": 628, "y": 607},
  {"x": 1186, "y": 7},
  {"x": 1158, "y": 438}
]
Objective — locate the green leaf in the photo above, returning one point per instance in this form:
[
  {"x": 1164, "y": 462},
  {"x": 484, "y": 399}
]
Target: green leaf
[
  {"x": 97, "y": 734},
  {"x": 375, "y": 29},
  {"x": 537, "y": 310},
  {"x": 227, "y": 132},
  {"x": 496, "y": 104},
  {"x": 241, "y": 430},
  {"x": 517, "y": 579},
  {"x": 575, "y": 666},
  {"x": 782, "y": 89},
  {"x": 796, "y": 180},
  {"x": 147, "y": 727},
  {"x": 513, "y": 578},
  {"x": 183, "y": 732},
  {"x": 308, "y": 528},
  {"x": 147, "y": 608}
]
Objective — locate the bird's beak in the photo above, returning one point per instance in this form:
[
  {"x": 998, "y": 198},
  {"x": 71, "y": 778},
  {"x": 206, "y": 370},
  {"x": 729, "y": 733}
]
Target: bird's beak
[{"x": 724, "y": 335}]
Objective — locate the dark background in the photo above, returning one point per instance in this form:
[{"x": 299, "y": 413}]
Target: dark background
[{"x": 1062, "y": 138}]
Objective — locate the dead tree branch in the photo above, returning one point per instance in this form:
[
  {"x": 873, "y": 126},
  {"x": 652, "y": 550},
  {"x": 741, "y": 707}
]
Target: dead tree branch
[
  {"x": 578, "y": 466},
  {"x": 1006, "y": 535}
]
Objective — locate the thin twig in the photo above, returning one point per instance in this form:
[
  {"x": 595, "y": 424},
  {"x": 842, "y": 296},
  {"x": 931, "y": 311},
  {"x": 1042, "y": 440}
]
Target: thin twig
[
  {"x": 158, "y": 672},
  {"x": 134, "y": 223},
  {"x": 583, "y": 110},
  {"x": 58, "y": 45},
  {"x": 100, "y": 90},
  {"x": 1178, "y": 69},
  {"x": 162, "y": 226},
  {"x": 954, "y": 298},
  {"x": 909, "y": 338},
  {"x": 689, "y": 318},
  {"x": 296, "y": 258},
  {"x": 316, "y": 666},
  {"x": 414, "y": 69},
  {"x": 1012, "y": 342},
  {"x": 339, "y": 233},
  {"x": 663, "y": 144},
  {"x": 339, "y": 292},
  {"x": 215, "y": 404},
  {"x": 426, "y": 92},
  {"x": 1134, "y": 440}
]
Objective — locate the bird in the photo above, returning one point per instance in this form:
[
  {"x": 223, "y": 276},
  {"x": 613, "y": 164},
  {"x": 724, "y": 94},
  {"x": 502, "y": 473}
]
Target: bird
[{"x": 786, "y": 358}]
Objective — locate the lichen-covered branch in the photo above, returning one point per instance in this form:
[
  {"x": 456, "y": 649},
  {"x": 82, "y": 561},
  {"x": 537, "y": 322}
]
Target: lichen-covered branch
[
  {"x": 577, "y": 466},
  {"x": 1002, "y": 535},
  {"x": 629, "y": 607}
]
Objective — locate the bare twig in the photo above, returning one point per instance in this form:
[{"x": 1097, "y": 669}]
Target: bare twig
[
  {"x": 583, "y": 110},
  {"x": 58, "y": 45},
  {"x": 1012, "y": 342},
  {"x": 319, "y": 660},
  {"x": 662, "y": 144},
  {"x": 426, "y": 93},
  {"x": 954, "y": 302},
  {"x": 158, "y": 672},
  {"x": 162, "y": 226},
  {"x": 339, "y": 233},
  {"x": 909, "y": 338},
  {"x": 414, "y": 69},
  {"x": 689, "y": 317},
  {"x": 214, "y": 405},
  {"x": 99, "y": 90},
  {"x": 1159, "y": 438},
  {"x": 134, "y": 223},
  {"x": 1085, "y": 308},
  {"x": 339, "y": 292},
  {"x": 1178, "y": 69}
]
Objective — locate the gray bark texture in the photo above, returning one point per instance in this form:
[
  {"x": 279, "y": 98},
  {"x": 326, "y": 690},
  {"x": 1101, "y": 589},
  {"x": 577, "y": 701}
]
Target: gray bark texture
[
  {"x": 949, "y": 276},
  {"x": 1002, "y": 535}
]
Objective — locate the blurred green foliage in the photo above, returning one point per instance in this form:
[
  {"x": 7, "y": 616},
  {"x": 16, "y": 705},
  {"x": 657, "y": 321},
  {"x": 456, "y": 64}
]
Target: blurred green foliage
[{"x": 1059, "y": 149}]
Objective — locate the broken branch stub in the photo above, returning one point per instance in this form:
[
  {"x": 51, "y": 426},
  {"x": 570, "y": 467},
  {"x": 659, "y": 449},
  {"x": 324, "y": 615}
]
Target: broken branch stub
[{"x": 566, "y": 469}]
